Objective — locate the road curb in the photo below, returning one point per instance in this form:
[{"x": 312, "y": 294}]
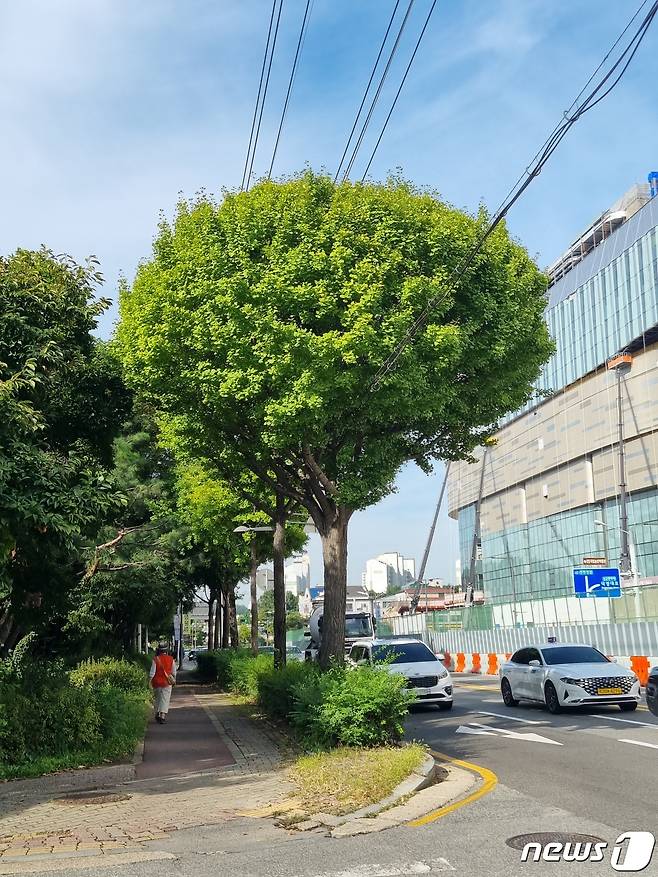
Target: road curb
[
  {"x": 456, "y": 785},
  {"x": 422, "y": 778},
  {"x": 80, "y": 779}
]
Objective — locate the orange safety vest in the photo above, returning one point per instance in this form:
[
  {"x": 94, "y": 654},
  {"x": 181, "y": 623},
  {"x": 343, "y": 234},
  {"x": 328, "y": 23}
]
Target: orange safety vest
[{"x": 164, "y": 665}]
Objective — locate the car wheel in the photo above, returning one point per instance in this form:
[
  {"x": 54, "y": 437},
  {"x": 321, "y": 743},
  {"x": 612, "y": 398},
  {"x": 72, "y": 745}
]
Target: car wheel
[
  {"x": 445, "y": 706},
  {"x": 551, "y": 698},
  {"x": 506, "y": 691},
  {"x": 628, "y": 707}
]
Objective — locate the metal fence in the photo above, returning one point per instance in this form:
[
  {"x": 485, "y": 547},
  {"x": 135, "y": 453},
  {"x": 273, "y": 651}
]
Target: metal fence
[{"x": 620, "y": 638}]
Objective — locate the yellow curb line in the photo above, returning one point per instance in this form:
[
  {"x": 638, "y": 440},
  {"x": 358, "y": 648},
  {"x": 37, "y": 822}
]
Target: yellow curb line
[{"x": 489, "y": 783}]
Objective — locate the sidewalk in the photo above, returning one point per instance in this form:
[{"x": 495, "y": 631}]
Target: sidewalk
[{"x": 206, "y": 766}]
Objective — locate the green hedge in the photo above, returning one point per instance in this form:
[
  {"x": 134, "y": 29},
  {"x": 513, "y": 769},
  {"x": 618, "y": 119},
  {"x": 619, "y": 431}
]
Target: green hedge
[
  {"x": 50, "y": 719},
  {"x": 123, "y": 675},
  {"x": 351, "y": 707}
]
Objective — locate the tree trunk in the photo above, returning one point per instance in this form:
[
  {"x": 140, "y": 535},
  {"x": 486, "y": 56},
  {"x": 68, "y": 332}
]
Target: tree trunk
[
  {"x": 254, "y": 598},
  {"x": 278, "y": 553},
  {"x": 226, "y": 621},
  {"x": 233, "y": 620},
  {"x": 211, "y": 624},
  {"x": 334, "y": 554}
]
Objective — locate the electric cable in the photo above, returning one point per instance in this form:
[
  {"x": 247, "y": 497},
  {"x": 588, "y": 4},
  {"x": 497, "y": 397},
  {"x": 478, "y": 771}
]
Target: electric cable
[
  {"x": 397, "y": 95},
  {"x": 365, "y": 93},
  {"x": 260, "y": 88},
  {"x": 262, "y": 106},
  {"x": 293, "y": 72},
  {"x": 532, "y": 171},
  {"x": 375, "y": 99}
]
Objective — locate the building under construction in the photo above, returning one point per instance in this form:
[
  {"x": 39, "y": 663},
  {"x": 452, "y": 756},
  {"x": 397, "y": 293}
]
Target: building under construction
[{"x": 559, "y": 488}]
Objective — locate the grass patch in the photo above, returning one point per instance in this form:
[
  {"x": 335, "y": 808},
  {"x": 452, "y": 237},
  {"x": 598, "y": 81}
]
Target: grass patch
[
  {"x": 112, "y": 752},
  {"x": 348, "y": 778}
]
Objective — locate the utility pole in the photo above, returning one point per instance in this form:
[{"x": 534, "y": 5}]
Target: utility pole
[
  {"x": 421, "y": 572},
  {"x": 472, "y": 574},
  {"x": 621, "y": 363}
]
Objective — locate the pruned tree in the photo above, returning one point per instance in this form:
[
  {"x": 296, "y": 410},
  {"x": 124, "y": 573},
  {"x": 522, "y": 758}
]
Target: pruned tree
[{"x": 259, "y": 324}]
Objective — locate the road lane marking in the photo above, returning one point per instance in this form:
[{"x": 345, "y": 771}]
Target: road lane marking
[
  {"x": 393, "y": 869},
  {"x": 629, "y": 721},
  {"x": 505, "y": 732},
  {"x": 489, "y": 782},
  {"x": 640, "y": 743},
  {"x": 463, "y": 729},
  {"x": 511, "y": 718}
]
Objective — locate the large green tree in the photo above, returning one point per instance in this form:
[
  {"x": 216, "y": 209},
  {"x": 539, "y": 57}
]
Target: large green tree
[
  {"x": 62, "y": 400},
  {"x": 260, "y": 322}
]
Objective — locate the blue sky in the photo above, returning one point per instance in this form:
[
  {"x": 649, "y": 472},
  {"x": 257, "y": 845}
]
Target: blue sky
[{"x": 112, "y": 108}]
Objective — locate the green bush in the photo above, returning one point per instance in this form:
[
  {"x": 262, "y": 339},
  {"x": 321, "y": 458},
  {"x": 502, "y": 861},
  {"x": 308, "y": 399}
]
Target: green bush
[
  {"x": 123, "y": 675},
  {"x": 364, "y": 707},
  {"x": 51, "y": 719},
  {"x": 276, "y": 688},
  {"x": 245, "y": 672}
]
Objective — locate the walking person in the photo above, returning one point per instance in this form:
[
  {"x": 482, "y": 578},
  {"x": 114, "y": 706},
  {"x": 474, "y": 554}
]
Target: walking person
[{"x": 162, "y": 678}]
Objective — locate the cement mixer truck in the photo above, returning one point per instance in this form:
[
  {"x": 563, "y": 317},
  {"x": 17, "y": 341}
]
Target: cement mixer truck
[{"x": 358, "y": 625}]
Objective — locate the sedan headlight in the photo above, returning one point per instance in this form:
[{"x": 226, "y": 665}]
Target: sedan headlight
[
  {"x": 568, "y": 681},
  {"x": 442, "y": 673}
]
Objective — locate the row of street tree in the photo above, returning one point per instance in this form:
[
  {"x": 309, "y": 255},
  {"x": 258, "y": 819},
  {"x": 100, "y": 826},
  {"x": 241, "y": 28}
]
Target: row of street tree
[{"x": 239, "y": 389}]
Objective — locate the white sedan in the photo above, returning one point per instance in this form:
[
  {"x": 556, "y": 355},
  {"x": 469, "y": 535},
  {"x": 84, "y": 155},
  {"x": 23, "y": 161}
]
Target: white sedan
[
  {"x": 563, "y": 675},
  {"x": 426, "y": 675}
]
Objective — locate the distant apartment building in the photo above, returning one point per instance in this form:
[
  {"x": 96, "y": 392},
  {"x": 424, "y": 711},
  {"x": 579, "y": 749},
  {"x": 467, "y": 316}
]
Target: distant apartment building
[
  {"x": 264, "y": 581},
  {"x": 388, "y": 571},
  {"x": 298, "y": 575}
]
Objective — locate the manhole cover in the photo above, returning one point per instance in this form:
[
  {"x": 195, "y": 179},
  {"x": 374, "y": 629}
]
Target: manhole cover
[
  {"x": 519, "y": 841},
  {"x": 94, "y": 798}
]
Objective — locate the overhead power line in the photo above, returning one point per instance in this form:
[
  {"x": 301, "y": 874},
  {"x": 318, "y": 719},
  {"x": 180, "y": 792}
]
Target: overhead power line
[
  {"x": 397, "y": 94},
  {"x": 382, "y": 80},
  {"x": 260, "y": 89},
  {"x": 366, "y": 92},
  {"x": 577, "y": 109},
  {"x": 262, "y": 94},
  {"x": 293, "y": 72}
]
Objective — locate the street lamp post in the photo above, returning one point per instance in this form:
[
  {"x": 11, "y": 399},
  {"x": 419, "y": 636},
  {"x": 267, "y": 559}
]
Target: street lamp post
[{"x": 621, "y": 364}]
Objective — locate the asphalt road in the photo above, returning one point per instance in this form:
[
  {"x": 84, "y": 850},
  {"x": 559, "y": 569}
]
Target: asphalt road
[
  {"x": 601, "y": 762},
  {"x": 593, "y": 782}
]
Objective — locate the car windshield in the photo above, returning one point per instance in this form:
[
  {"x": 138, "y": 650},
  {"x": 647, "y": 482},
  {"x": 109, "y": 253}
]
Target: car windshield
[
  {"x": 574, "y": 655},
  {"x": 357, "y": 627},
  {"x": 402, "y": 653}
]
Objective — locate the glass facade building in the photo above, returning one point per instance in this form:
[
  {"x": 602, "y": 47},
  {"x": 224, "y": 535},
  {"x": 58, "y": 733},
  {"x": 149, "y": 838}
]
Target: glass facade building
[{"x": 551, "y": 483}]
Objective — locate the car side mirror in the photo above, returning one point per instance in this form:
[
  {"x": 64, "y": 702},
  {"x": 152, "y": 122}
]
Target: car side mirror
[{"x": 534, "y": 663}]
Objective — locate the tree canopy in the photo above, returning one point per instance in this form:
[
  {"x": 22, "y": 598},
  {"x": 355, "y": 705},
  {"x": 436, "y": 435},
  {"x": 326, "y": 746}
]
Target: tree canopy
[{"x": 258, "y": 326}]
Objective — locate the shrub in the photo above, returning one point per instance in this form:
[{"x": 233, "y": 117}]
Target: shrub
[
  {"x": 245, "y": 672},
  {"x": 142, "y": 660},
  {"x": 363, "y": 707},
  {"x": 124, "y": 675},
  {"x": 276, "y": 688},
  {"x": 122, "y": 714}
]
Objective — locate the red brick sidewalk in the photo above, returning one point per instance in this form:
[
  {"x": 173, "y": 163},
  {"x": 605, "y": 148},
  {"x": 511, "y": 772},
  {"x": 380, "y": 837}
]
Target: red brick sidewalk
[{"x": 187, "y": 743}]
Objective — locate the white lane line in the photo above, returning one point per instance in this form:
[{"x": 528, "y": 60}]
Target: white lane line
[
  {"x": 640, "y": 743},
  {"x": 396, "y": 869},
  {"x": 489, "y": 730},
  {"x": 511, "y": 718},
  {"x": 628, "y": 721}
]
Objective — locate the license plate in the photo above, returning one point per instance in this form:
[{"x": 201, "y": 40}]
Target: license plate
[
  {"x": 419, "y": 691},
  {"x": 609, "y": 691}
]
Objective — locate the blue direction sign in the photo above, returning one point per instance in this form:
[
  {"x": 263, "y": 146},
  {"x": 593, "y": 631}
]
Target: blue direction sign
[{"x": 592, "y": 582}]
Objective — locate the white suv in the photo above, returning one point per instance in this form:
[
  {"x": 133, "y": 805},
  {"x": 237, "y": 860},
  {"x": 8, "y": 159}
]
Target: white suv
[{"x": 426, "y": 676}]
